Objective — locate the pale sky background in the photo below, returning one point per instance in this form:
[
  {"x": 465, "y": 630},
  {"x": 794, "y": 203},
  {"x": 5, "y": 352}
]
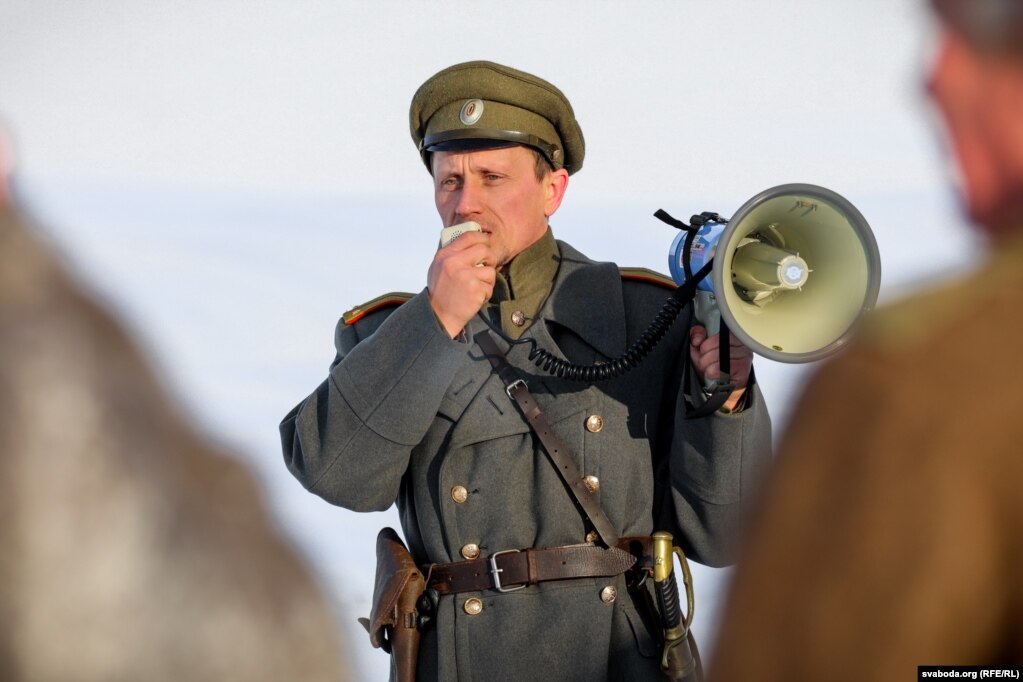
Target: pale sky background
[{"x": 233, "y": 175}]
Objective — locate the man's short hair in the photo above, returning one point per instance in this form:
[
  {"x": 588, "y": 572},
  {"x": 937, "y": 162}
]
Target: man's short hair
[
  {"x": 541, "y": 166},
  {"x": 992, "y": 26}
]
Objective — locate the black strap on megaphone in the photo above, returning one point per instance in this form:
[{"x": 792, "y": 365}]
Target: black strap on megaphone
[
  {"x": 695, "y": 223},
  {"x": 715, "y": 399}
]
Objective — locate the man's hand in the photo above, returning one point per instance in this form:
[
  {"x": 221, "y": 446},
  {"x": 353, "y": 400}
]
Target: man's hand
[
  {"x": 461, "y": 280},
  {"x": 707, "y": 361}
]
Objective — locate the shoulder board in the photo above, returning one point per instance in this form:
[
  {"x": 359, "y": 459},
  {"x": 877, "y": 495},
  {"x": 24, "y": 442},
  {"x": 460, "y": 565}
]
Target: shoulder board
[
  {"x": 646, "y": 275},
  {"x": 395, "y": 298}
]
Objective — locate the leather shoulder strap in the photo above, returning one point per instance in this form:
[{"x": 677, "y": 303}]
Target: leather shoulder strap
[{"x": 558, "y": 453}]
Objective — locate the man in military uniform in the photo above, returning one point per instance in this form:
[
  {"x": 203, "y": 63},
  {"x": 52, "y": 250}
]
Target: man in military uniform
[
  {"x": 891, "y": 532},
  {"x": 413, "y": 412}
]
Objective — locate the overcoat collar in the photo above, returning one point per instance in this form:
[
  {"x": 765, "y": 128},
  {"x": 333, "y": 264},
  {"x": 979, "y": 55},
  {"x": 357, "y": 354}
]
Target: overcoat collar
[{"x": 587, "y": 299}]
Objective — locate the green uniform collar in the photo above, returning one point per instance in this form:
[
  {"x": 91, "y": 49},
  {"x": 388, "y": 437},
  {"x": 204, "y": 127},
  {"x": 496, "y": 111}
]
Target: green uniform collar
[{"x": 519, "y": 293}]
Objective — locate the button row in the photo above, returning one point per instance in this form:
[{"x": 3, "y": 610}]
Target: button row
[{"x": 474, "y": 605}]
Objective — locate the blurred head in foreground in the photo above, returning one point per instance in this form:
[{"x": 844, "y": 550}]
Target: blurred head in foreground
[
  {"x": 130, "y": 549},
  {"x": 977, "y": 83},
  {"x": 890, "y": 532}
]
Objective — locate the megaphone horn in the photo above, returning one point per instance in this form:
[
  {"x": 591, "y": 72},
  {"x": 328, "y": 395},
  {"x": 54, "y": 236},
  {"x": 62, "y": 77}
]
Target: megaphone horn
[{"x": 794, "y": 269}]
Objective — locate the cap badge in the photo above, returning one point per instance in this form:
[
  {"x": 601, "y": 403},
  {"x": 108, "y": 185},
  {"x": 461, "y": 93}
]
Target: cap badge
[{"x": 471, "y": 112}]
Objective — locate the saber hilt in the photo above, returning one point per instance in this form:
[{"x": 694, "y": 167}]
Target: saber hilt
[{"x": 677, "y": 661}]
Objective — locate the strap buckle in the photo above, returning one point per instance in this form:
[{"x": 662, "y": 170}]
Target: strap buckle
[
  {"x": 494, "y": 570},
  {"x": 518, "y": 383}
]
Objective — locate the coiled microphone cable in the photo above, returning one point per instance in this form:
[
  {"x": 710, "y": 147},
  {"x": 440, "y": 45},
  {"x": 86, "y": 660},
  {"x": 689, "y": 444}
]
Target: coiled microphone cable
[
  {"x": 634, "y": 354},
  {"x": 659, "y": 326}
]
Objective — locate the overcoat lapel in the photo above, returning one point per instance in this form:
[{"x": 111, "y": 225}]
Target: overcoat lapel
[{"x": 587, "y": 299}]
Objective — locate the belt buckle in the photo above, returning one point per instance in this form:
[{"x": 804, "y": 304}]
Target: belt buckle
[
  {"x": 494, "y": 570},
  {"x": 508, "y": 389}
]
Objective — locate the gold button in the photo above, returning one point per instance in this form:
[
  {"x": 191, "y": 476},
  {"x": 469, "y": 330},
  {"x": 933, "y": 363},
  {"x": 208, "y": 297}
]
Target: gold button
[
  {"x": 471, "y": 551},
  {"x": 459, "y": 494},
  {"x": 474, "y": 606},
  {"x": 594, "y": 423},
  {"x": 607, "y": 595},
  {"x": 518, "y": 318},
  {"x": 592, "y": 483},
  {"x": 592, "y": 536}
]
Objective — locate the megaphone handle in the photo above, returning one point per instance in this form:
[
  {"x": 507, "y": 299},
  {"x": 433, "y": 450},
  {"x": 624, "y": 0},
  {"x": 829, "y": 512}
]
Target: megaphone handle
[{"x": 709, "y": 315}]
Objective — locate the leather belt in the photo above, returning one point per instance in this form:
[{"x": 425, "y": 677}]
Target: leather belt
[{"x": 514, "y": 569}]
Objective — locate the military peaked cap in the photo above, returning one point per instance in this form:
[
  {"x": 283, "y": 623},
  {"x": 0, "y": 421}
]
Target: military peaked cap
[{"x": 481, "y": 105}]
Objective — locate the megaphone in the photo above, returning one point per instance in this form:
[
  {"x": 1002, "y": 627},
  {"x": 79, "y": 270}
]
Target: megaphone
[
  {"x": 793, "y": 270},
  {"x": 789, "y": 274}
]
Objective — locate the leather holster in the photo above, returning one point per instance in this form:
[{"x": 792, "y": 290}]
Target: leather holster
[{"x": 394, "y": 623}]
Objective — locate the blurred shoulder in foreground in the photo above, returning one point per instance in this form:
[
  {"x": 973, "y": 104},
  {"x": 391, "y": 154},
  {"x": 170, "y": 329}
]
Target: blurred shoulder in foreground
[
  {"x": 890, "y": 535},
  {"x": 130, "y": 549}
]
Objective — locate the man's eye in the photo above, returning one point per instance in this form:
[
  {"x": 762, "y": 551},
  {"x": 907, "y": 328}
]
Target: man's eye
[{"x": 492, "y": 177}]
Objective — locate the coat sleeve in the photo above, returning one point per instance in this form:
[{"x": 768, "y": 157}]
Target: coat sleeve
[
  {"x": 715, "y": 463},
  {"x": 350, "y": 440}
]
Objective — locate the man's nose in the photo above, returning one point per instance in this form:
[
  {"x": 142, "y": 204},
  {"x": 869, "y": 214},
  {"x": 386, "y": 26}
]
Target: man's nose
[{"x": 470, "y": 199}]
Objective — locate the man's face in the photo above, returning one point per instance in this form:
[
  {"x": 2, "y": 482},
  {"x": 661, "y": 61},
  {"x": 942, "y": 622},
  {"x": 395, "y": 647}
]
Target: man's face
[
  {"x": 498, "y": 189},
  {"x": 981, "y": 99}
]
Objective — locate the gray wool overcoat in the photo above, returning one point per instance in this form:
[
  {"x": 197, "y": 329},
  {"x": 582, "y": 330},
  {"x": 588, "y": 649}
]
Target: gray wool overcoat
[{"x": 407, "y": 415}]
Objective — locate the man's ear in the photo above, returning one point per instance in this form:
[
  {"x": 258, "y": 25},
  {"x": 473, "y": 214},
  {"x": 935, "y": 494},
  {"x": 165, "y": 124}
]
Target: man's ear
[{"x": 556, "y": 183}]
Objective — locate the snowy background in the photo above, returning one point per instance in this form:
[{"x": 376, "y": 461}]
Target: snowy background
[{"x": 231, "y": 176}]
